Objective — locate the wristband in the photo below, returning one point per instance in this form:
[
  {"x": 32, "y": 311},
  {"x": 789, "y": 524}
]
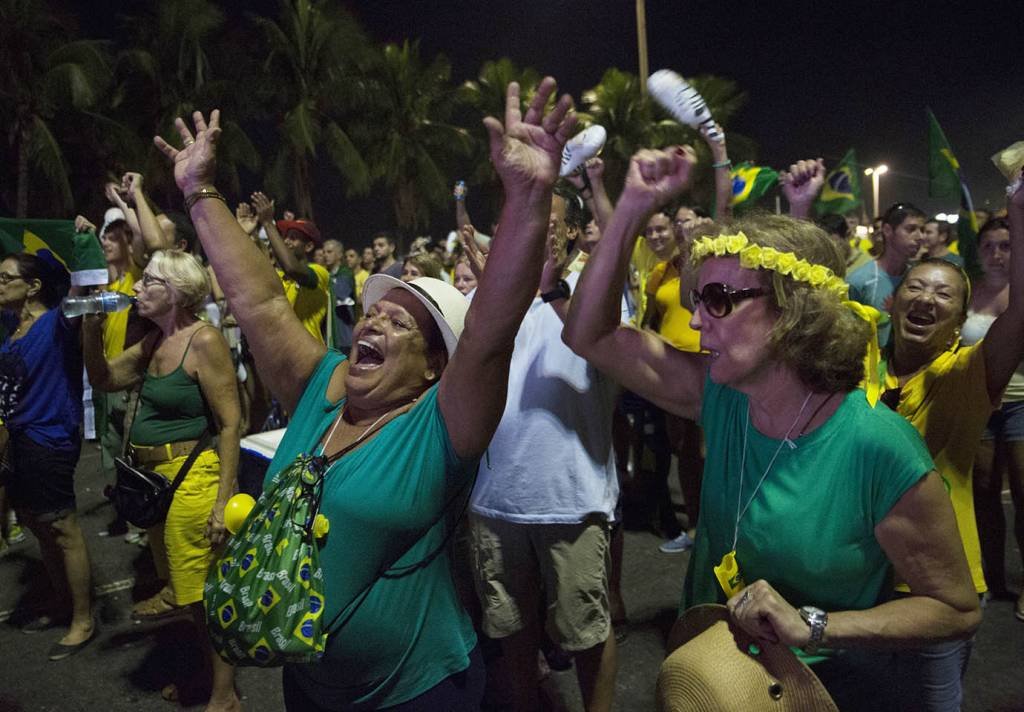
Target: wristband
[
  {"x": 201, "y": 194},
  {"x": 724, "y": 164},
  {"x": 561, "y": 291}
]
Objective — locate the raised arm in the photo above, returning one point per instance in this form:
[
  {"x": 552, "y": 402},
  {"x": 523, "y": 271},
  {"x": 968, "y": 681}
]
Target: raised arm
[
  {"x": 1003, "y": 345},
  {"x": 286, "y": 260},
  {"x": 526, "y": 152},
  {"x": 149, "y": 237},
  {"x": 285, "y": 352},
  {"x": 801, "y": 185},
  {"x": 723, "y": 173},
  {"x": 593, "y": 192},
  {"x": 641, "y": 362},
  {"x": 124, "y": 371}
]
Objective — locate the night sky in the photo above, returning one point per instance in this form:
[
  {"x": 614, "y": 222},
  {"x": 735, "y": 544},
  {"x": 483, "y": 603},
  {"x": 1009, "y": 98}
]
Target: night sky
[{"x": 820, "y": 77}]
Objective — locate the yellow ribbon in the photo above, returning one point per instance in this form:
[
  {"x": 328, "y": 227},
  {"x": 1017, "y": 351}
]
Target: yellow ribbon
[{"x": 872, "y": 383}]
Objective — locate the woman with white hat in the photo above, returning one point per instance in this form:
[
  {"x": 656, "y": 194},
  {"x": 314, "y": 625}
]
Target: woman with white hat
[{"x": 410, "y": 412}]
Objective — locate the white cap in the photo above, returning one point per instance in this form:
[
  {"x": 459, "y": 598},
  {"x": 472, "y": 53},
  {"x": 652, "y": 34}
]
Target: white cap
[{"x": 110, "y": 217}]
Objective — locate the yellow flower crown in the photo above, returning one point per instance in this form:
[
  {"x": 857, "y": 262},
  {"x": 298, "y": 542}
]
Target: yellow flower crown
[{"x": 758, "y": 257}]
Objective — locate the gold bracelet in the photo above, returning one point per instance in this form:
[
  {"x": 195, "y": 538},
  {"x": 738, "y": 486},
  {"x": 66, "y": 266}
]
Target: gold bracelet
[{"x": 201, "y": 194}]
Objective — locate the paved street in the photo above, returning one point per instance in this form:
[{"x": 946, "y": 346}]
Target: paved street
[{"x": 129, "y": 663}]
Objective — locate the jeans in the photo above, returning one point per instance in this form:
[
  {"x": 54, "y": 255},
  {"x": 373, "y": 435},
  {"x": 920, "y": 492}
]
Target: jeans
[{"x": 930, "y": 679}]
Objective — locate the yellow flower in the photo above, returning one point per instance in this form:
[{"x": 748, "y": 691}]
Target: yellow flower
[
  {"x": 819, "y": 274},
  {"x": 769, "y": 258},
  {"x": 750, "y": 256},
  {"x": 719, "y": 246},
  {"x": 802, "y": 272},
  {"x": 787, "y": 262},
  {"x": 735, "y": 243}
]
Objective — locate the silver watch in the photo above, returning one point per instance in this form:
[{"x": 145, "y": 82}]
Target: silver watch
[{"x": 816, "y": 619}]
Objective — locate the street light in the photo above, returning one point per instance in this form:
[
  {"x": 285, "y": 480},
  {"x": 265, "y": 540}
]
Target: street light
[{"x": 875, "y": 172}]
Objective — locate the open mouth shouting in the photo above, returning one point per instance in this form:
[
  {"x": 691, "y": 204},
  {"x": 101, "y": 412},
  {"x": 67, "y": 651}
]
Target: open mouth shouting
[{"x": 368, "y": 356}]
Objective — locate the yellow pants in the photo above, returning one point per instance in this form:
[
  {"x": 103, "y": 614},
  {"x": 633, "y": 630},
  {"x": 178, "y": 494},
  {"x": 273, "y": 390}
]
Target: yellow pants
[{"x": 180, "y": 548}]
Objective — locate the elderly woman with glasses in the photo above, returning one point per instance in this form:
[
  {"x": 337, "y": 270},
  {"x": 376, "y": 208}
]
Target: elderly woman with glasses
[
  {"x": 188, "y": 393},
  {"x": 811, "y": 495}
]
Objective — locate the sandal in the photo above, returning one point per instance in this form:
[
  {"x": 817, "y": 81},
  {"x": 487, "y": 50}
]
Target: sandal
[{"x": 156, "y": 607}]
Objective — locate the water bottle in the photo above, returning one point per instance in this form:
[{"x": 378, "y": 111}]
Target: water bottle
[{"x": 102, "y": 303}]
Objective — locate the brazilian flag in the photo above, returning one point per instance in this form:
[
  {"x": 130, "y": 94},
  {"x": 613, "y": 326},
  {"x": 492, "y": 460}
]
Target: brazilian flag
[
  {"x": 946, "y": 180},
  {"x": 841, "y": 192},
  {"x": 750, "y": 183},
  {"x": 56, "y": 241}
]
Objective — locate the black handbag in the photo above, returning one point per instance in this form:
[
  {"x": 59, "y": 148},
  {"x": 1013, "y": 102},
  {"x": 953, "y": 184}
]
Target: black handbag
[{"x": 141, "y": 496}]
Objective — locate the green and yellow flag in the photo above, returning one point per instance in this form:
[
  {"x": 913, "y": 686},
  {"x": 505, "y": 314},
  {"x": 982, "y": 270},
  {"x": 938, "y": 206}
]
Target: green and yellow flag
[
  {"x": 946, "y": 180},
  {"x": 57, "y": 241},
  {"x": 841, "y": 192},
  {"x": 750, "y": 183}
]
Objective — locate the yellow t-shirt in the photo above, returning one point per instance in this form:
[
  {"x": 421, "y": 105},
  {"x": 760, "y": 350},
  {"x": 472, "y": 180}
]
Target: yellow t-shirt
[
  {"x": 948, "y": 404},
  {"x": 360, "y": 278},
  {"x": 663, "y": 286},
  {"x": 309, "y": 303},
  {"x": 643, "y": 261},
  {"x": 115, "y": 326}
]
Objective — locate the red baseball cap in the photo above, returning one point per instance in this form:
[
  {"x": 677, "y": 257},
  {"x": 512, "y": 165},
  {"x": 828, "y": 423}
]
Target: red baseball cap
[{"x": 307, "y": 227}]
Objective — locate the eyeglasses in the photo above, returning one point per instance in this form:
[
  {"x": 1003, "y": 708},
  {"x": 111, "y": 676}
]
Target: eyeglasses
[
  {"x": 8, "y": 278},
  {"x": 720, "y": 299},
  {"x": 148, "y": 280}
]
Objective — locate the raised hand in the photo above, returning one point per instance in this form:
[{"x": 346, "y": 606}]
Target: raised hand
[
  {"x": 802, "y": 182},
  {"x": 131, "y": 187},
  {"x": 82, "y": 224},
  {"x": 656, "y": 177},
  {"x": 716, "y": 146},
  {"x": 264, "y": 207},
  {"x": 246, "y": 218},
  {"x": 116, "y": 196},
  {"x": 527, "y": 150},
  {"x": 475, "y": 254},
  {"x": 195, "y": 165}
]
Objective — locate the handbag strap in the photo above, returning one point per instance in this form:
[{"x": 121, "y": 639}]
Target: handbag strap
[{"x": 200, "y": 445}]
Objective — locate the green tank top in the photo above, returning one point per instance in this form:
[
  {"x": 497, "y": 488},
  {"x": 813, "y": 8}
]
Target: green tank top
[{"x": 171, "y": 407}]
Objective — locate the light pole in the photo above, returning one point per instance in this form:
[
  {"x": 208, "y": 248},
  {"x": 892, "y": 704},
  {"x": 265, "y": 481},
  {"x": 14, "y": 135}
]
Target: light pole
[
  {"x": 876, "y": 172},
  {"x": 641, "y": 43}
]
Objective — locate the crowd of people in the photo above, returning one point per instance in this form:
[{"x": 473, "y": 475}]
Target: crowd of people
[{"x": 479, "y": 411}]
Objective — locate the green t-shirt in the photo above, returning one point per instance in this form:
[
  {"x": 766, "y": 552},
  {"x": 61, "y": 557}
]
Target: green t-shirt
[
  {"x": 402, "y": 489},
  {"x": 809, "y": 531}
]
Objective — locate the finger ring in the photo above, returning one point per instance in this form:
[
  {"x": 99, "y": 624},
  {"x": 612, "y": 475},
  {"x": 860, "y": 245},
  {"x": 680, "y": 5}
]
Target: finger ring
[
  {"x": 189, "y": 142},
  {"x": 744, "y": 598}
]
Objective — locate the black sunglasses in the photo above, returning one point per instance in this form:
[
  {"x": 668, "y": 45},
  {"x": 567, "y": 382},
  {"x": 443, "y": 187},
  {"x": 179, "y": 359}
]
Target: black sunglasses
[{"x": 720, "y": 299}]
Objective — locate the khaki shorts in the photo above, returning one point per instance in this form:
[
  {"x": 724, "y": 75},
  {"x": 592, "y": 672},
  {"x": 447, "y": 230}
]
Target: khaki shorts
[{"x": 514, "y": 563}]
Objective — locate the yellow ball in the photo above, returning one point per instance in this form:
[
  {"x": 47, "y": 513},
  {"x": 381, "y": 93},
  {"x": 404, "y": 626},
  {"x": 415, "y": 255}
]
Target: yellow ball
[
  {"x": 236, "y": 510},
  {"x": 321, "y": 525}
]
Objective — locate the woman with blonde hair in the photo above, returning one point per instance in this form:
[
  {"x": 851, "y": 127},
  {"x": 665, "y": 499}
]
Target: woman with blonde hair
[
  {"x": 811, "y": 495},
  {"x": 188, "y": 387}
]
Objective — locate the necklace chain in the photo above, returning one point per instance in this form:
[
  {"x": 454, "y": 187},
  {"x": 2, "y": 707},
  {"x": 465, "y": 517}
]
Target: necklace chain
[
  {"x": 366, "y": 432},
  {"x": 743, "y": 464}
]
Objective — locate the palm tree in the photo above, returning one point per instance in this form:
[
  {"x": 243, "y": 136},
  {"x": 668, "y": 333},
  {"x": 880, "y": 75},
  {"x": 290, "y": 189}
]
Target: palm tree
[
  {"x": 485, "y": 96},
  {"x": 169, "y": 73},
  {"x": 411, "y": 142},
  {"x": 47, "y": 83},
  {"x": 315, "y": 56}
]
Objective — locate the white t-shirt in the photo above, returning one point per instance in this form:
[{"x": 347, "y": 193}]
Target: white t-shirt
[{"x": 550, "y": 461}]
